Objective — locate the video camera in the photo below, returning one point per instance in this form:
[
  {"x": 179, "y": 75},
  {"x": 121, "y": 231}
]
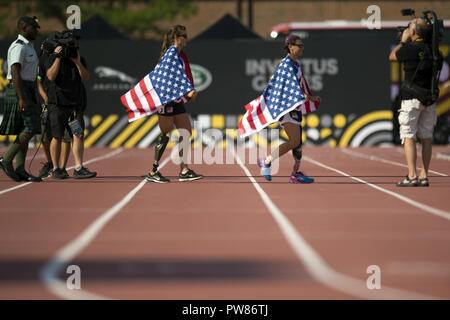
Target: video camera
[
  {"x": 67, "y": 39},
  {"x": 432, "y": 35},
  {"x": 435, "y": 26}
]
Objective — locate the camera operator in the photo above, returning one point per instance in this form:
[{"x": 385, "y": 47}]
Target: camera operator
[
  {"x": 417, "y": 115},
  {"x": 42, "y": 84},
  {"x": 65, "y": 70}
]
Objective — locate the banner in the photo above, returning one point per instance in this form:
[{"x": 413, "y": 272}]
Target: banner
[{"x": 348, "y": 69}]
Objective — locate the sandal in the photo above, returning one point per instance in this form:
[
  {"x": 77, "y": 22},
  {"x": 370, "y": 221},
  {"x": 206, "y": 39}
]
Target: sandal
[{"x": 407, "y": 182}]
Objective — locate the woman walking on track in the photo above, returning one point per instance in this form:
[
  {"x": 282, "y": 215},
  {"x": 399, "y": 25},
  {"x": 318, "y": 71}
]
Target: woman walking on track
[
  {"x": 164, "y": 91},
  {"x": 174, "y": 113},
  {"x": 285, "y": 99}
]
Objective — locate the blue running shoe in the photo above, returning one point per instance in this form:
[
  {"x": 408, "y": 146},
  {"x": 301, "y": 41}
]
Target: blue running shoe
[
  {"x": 300, "y": 178},
  {"x": 265, "y": 169}
]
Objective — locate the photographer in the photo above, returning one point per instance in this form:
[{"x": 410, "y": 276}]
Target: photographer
[
  {"x": 65, "y": 70},
  {"x": 417, "y": 115}
]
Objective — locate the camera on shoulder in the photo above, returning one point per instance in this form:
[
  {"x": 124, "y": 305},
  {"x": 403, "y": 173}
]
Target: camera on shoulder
[{"x": 67, "y": 39}]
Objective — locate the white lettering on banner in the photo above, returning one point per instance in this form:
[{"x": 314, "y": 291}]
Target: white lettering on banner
[{"x": 260, "y": 71}]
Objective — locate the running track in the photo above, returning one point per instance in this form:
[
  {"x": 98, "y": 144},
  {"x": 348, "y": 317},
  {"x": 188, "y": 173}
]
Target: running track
[{"x": 231, "y": 235}]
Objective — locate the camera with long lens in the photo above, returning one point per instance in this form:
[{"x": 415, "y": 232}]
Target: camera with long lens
[{"x": 68, "y": 40}]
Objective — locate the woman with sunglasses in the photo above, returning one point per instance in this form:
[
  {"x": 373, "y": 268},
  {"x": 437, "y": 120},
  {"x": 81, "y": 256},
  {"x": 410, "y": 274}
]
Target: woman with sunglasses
[{"x": 291, "y": 121}]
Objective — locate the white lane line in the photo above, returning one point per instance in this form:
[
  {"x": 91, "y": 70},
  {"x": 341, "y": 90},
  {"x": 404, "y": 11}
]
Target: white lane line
[
  {"x": 437, "y": 212},
  {"x": 437, "y": 155},
  {"x": 379, "y": 159},
  {"x": 443, "y": 156},
  {"x": 316, "y": 266},
  {"x": 105, "y": 156},
  {"x": 50, "y": 271}
]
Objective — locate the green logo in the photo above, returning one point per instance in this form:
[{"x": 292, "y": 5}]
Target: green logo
[{"x": 202, "y": 77}]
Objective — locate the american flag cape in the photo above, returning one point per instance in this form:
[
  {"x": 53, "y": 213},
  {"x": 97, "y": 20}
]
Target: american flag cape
[
  {"x": 283, "y": 93},
  {"x": 168, "y": 82}
]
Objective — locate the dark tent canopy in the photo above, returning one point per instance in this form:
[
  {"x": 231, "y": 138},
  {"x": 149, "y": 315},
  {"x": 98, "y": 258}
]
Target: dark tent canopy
[
  {"x": 227, "y": 27},
  {"x": 98, "y": 28}
]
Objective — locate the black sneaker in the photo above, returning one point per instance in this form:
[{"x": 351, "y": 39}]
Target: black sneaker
[
  {"x": 8, "y": 168},
  {"x": 156, "y": 177},
  {"x": 25, "y": 176},
  {"x": 46, "y": 169},
  {"x": 65, "y": 173},
  {"x": 58, "y": 174},
  {"x": 190, "y": 175},
  {"x": 423, "y": 182},
  {"x": 84, "y": 173},
  {"x": 407, "y": 182}
]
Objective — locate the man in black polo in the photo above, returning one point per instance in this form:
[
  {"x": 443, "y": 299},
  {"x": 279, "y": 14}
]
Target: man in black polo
[
  {"x": 417, "y": 116},
  {"x": 21, "y": 112},
  {"x": 65, "y": 72}
]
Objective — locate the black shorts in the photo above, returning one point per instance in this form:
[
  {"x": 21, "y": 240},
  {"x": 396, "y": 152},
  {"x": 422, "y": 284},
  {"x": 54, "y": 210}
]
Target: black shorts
[
  {"x": 47, "y": 132},
  {"x": 171, "y": 109},
  {"x": 60, "y": 116}
]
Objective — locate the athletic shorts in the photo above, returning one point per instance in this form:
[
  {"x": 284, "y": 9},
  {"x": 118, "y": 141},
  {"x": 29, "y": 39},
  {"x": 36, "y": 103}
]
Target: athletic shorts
[{"x": 171, "y": 109}]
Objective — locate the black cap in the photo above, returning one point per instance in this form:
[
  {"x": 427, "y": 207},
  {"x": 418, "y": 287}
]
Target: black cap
[{"x": 32, "y": 21}]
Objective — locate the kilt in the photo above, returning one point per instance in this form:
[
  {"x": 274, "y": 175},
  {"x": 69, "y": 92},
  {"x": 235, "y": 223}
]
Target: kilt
[{"x": 14, "y": 121}]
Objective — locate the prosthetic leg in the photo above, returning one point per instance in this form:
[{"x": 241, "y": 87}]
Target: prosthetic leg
[
  {"x": 298, "y": 176},
  {"x": 155, "y": 175}
]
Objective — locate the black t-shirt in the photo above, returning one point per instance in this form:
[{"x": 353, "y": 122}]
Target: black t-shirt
[
  {"x": 42, "y": 73},
  {"x": 411, "y": 55},
  {"x": 67, "y": 89}
]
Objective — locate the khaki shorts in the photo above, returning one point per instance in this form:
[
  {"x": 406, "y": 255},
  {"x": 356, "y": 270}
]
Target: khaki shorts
[{"x": 416, "y": 120}]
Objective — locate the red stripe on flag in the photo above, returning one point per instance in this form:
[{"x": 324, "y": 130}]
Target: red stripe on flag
[
  {"x": 260, "y": 114},
  {"x": 130, "y": 113},
  {"x": 136, "y": 101},
  {"x": 250, "y": 121},
  {"x": 241, "y": 128},
  {"x": 250, "y": 107},
  {"x": 147, "y": 95},
  {"x": 307, "y": 107},
  {"x": 124, "y": 102},
  {"x": 144, "y": 88}
]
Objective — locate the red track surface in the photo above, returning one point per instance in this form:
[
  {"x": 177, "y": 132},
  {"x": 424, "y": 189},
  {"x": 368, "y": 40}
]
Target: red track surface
[{"x": 216, "y": 239}]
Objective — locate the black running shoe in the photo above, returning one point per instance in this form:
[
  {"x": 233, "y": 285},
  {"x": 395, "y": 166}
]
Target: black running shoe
[
  {"x": 190, "y": 175},
  {"x": 84, "y": 173},
  {"x": 407, "y": 182},
  {"x": 8, "y": 168},
  {"x": 46, "y": 169},
  {"x": 25, "y": 176},
  {"x": 66, "y": 174},
  {"x": 58, "y": 174},
  {"x": 156, "y": 177}
]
